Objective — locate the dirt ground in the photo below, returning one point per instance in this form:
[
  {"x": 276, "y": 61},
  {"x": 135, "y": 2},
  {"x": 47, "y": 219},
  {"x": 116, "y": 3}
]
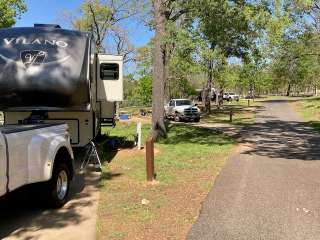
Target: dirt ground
[{"x": 23, "y": 217}]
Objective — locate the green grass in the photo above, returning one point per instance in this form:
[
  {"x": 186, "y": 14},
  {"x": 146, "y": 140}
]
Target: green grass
[
  {"x": 242, "y": 113},
  {"x": 134, "y": 110},
  {"x": 186, "y": 163},
  {"x": 184, "y": 144},
  {"x": 309, "y": 109}
]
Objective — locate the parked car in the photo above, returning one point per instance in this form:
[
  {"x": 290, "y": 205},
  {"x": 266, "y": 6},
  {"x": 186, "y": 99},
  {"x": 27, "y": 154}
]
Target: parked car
[
  {"x": 182, "y": 110},
  {"x": 230, "y": 96}
]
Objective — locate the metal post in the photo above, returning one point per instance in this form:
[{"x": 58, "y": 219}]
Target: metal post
[
  {"x": 139, "y": 135},
  {"x": 150, "y": 159}
]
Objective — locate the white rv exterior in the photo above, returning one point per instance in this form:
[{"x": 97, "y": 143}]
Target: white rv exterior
[
  {"x": 100, "y": 82},
  {"x": 84, "y": 126}
]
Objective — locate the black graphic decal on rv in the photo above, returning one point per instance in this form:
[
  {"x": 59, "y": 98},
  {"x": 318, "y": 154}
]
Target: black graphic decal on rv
[{"x": 32, "y": 57}]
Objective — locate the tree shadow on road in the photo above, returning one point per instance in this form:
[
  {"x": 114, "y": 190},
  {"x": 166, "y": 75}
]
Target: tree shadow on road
[{"x": 282, "y": 139}]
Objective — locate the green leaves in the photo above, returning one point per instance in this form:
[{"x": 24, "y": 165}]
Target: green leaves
[
  {"x": 10, "y": 10},
  {"x": 145, "y": 90}
]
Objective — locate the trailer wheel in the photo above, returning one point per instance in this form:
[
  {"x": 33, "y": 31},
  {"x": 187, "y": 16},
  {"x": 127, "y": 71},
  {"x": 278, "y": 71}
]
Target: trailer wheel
[{"x": 59, "y": 185}]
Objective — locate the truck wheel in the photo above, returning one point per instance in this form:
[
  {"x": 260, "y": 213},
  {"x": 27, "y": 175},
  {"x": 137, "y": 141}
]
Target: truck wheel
[
  {"x": 176, "y": 118},
  {"x": 197, "y": 120},
  {"x": 59, "y": 185}
]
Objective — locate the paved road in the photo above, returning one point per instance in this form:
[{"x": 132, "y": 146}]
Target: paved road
[{"x": 271, "y": 190}]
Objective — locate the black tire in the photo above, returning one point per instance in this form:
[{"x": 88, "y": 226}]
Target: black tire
[
  {"x": 197, "y": 120},
  {"x": 176, "y": 118},
  {"x": 51, "y": 188}
]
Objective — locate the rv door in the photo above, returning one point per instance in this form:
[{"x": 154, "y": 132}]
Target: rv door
[{"x": 109, "y": 79}]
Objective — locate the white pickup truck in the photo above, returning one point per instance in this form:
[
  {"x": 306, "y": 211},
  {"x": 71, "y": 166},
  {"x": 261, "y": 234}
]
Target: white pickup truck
[
  {"x": 182, "y": 110},
  {"x": 37, "y": 153}
]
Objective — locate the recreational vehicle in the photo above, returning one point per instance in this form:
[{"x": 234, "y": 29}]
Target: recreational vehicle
[
  {"x": 57, "y": 74},
  {"x": 52, "y": 77}
]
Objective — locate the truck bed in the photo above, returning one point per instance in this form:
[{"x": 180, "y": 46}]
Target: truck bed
[{"x": 14, "y": 128}]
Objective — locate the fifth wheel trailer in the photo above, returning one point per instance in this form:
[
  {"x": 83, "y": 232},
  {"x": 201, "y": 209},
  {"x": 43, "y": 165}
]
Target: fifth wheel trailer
[
  {"x": 55, "y": 92},
  {"x": 56, "y": 75}
]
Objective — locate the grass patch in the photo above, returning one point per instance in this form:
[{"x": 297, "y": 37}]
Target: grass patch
[
  {"x": 242, "y": 113},
  {"x": 134, "y": 110},
  {"x": 309, "y": 110},
  {"x": 186, "y": 166}
]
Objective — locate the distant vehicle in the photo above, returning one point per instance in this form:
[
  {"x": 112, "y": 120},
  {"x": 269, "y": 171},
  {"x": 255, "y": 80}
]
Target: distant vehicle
[
  {"x": 230, "y": 96},
  {"x": 182, "y": 110}
]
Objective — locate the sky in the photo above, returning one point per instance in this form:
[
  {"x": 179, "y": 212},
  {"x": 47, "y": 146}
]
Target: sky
[{"x": 51, "y": 11}]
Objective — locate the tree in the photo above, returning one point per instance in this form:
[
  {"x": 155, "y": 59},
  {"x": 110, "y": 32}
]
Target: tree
[
  {"x": 231, "y": 26},
  {"x": 159, "y": 64},
  {"x": 182, "y": 65},
  {"x": 145, "y": 89},
  {"x": 102, "y": 18},
  {"x": 122, "y": 44},
  {"x": 10, "y": 10},
  {"x": 165, "y": 12}
]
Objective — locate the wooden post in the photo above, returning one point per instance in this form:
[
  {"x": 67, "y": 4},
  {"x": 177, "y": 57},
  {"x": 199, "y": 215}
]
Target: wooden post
[
  {"x": 231, "y": 113},
  {"x": 150, "y": 159},
  {"x": 248, "y": 102}
]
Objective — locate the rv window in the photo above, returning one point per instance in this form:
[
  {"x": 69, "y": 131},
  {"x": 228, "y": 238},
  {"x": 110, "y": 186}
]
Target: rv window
[{"x": 109, "y": 71}]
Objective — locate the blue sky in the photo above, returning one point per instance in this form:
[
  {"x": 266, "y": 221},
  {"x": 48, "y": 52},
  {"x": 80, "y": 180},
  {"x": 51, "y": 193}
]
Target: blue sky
[{"x": 51, "y": 11}]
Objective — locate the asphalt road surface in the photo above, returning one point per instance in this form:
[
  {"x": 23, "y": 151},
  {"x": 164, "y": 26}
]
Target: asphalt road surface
[{"x": 271, "y": 189}]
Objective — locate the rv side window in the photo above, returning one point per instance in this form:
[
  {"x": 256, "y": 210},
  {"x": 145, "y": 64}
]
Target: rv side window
[{"x": 109, "y": 71}]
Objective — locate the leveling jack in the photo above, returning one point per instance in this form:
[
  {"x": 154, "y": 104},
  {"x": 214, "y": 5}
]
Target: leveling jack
[{"x": 91, "y": 157}]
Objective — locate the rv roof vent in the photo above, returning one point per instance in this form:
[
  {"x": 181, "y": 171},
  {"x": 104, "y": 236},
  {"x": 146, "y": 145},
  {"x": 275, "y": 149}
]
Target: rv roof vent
[{"x": 40, "y": 25}]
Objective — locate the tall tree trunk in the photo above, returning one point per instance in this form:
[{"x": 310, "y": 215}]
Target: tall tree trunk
[
  {"x": 217, "y": 96},
  {"x": 159, "y": 72},
  {"x": 288, "y": 90},
  {"x": 209, "y": 87},
  {"x": 167, "y": 86}
]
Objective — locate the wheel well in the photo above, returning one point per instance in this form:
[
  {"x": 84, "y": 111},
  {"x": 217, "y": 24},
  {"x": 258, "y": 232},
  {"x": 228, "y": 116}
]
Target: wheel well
[{"x": 63, "y": 156}]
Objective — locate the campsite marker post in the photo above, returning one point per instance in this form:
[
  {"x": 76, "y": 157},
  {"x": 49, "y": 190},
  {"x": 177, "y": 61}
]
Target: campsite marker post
[
  {"x": 139, "y": 135},
  {"x": 150, "y": 160}
]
